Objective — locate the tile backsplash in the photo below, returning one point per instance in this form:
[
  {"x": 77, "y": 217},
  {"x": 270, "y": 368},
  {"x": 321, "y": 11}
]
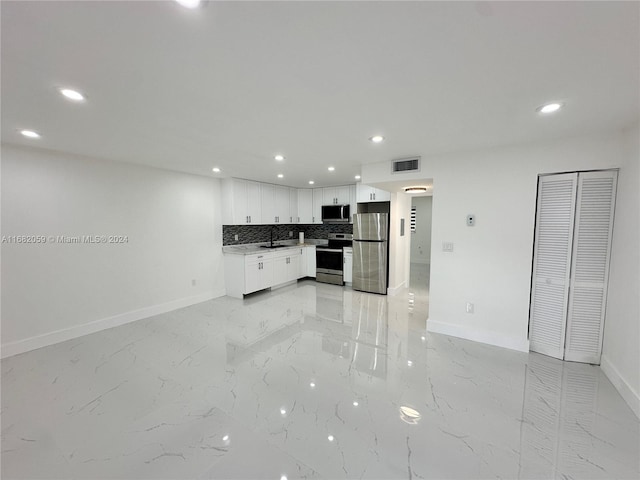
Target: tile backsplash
[{"x": 261, "y": 233}]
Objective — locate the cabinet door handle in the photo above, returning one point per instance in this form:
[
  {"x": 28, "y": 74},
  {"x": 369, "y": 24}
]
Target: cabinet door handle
[
  {"x": 313, "y": 219},
  {"x": 298, "y": 219},
  {"x": 249, "y": 218},
  {"x": 290, "y": 219}
]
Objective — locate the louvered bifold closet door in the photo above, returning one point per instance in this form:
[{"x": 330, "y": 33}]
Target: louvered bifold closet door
[
  {"x": 590, "y": 265},
  {"x": 551, "y": 263}
]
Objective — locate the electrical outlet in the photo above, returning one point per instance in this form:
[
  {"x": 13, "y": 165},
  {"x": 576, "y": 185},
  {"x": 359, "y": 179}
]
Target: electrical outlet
[
  {"x": 291, "y": 234},
  {"x": 193, "y": 282},
  {"x": 469, "y": 307},
  {"x": 236, "y": 237}
]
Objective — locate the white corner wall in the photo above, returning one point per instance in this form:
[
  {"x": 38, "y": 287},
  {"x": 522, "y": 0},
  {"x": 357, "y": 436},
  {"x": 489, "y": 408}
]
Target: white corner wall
[
  {"x": 621, "y": 349},
  {"x": 491, "y": 262},
  {"x": 399, "y": 246},
  {"x": 421, "y": 238},
  {"x": 53, "y": 291}
]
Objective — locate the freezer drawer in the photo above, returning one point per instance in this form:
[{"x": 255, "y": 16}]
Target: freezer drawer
[{"x": 370, "y": 266}]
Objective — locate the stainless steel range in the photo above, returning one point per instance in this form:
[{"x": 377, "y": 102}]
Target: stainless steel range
[{"x": 329, "y": 259}]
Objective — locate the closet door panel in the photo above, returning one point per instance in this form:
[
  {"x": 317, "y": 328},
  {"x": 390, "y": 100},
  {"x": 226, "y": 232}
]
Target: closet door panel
[
  {"x": 551, "y": 263},
  {"x": 590, "y": 265}
]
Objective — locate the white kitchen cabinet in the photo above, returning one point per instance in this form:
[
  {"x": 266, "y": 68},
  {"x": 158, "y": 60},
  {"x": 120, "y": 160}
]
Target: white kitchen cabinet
[
  {"x": 305, "y": 205},
  {"x": 258, "y": 272},
  {"x": 294, "y": 216},
  {"x": 254, "y": 209},
  {"x": 268, "y": 203},
  {"x": 246, "y": 274},
  {"x": 365, "y": 193},
  {"x": 335, "y": 195},
  {"x": 286, "y": 267},
  {"x": 282, "y": 212},
  {"x": 308, "y": 262},
  {"x": 317, "y": 205},
  {"x": 347, "y": 267},
  {"x": 242, "y": 199}
]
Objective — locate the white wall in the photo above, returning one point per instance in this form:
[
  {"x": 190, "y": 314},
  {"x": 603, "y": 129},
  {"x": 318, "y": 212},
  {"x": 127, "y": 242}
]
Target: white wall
[
  {"x": 491, "y": 262},
  {"x": 620, "y": 354},
  {"x": 52, "y": 292},
  {"x": 421, "y": 239},
  {"x": 399, "y": 246}
]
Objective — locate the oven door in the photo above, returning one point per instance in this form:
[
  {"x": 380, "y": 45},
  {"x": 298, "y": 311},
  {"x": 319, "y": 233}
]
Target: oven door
[{"x": 329, "y": 260}]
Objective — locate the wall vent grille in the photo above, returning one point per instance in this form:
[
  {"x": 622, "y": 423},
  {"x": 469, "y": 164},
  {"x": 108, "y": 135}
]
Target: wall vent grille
[{"x": 405, "y": 165}]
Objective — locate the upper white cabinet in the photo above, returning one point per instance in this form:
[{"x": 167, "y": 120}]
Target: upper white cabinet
[
  {"x": 294, "y": 216},
  {"x": 317, "y": 205},
  {"x": 253, "y": 203},
  {"x": 365, "y": 193},
  {"x": 268, "y": 202},
  {"x": 242, "y": 198},
  {"x": 282, "y": 200},
  {"x": 335, "y": 195},
  {"x": 305, "y": 205}
]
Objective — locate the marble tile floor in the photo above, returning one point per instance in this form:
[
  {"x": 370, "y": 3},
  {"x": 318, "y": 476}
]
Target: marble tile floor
[{"x": 307, "y": 381}]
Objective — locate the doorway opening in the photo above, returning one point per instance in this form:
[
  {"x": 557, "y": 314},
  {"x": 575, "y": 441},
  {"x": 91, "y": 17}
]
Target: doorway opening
[{"x": 420, "y": 256}]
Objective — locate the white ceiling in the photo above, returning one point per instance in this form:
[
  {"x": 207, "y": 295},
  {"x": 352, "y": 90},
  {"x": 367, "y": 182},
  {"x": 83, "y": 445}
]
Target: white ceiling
[{"x": 233, "y": 83}]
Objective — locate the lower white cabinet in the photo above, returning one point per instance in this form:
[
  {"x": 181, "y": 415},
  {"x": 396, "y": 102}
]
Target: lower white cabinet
[
  {"x": 246, "y": 274},
  {"x": 347, "y": 267},
  {"x": 308, "y": 262},
  {"x": 258, "y": 272}
]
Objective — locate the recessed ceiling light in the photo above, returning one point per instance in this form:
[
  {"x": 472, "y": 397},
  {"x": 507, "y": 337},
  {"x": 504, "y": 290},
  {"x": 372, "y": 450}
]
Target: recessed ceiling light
[
  {"x": 312, "y": 385},
  {"x": 72, "y": 94},
  {"x": 189, "y": 3},
  {"x": 377, "y": 138},
  {"x": 549, "y": 108},
  {"x": 311, "y": 182},
  {"x": 330, "y": 438},
  {"x": 279, "y": 158},
  {"x": 419, "y": 189},
  {"x": 280, "y": 175},
  {"x": 331, "y": 169},
  {"x": 357, "y": 177},
  {"x": 355, "y": 404},
  {"x": 30, "y": 134},
  {"x": 216, "y": 170}
]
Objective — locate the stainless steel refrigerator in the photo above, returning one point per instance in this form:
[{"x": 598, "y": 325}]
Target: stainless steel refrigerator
[{"x": 370, "y": 249}]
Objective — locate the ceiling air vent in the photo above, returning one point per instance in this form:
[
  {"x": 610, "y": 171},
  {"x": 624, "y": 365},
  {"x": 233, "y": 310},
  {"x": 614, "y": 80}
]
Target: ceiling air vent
[{"x": 405, "y": 165}]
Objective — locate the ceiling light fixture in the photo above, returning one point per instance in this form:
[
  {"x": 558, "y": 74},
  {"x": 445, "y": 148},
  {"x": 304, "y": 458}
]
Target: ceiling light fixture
[
  {"x": 311, "y": 182},
  {"x": 190, "y": 3},
  {"x": 29, "y": 134},
  {"x": 279, "y": 157},
  {"x": 215, "y": 170},
  {"x": 377, "y": 138},
  {"x": 280, "y": 175},
  {"x": 331, "y": 169},
  {"x": 72, "y": 94},
  {"x": 357, "y": 177},
  {"x": 417, "y": 189},
  {"x": 549, "y": 108}
]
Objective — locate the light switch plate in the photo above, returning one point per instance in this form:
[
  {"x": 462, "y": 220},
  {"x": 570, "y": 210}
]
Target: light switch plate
[{"x": 447, "y": 246}]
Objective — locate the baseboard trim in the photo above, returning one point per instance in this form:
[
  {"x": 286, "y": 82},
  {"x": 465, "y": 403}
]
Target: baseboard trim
[
  {"x": 480, "y": 336},
  {"x": 626, "y": 392},
  {"x": 395, "y": 290},
  {"x": 58, "y": 336}
]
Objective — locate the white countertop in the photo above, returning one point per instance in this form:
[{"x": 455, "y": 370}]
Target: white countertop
[{"x": 251, "y": 248}]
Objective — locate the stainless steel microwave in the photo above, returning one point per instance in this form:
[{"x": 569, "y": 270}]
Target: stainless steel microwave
[{"x": 335, "y": 213}]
